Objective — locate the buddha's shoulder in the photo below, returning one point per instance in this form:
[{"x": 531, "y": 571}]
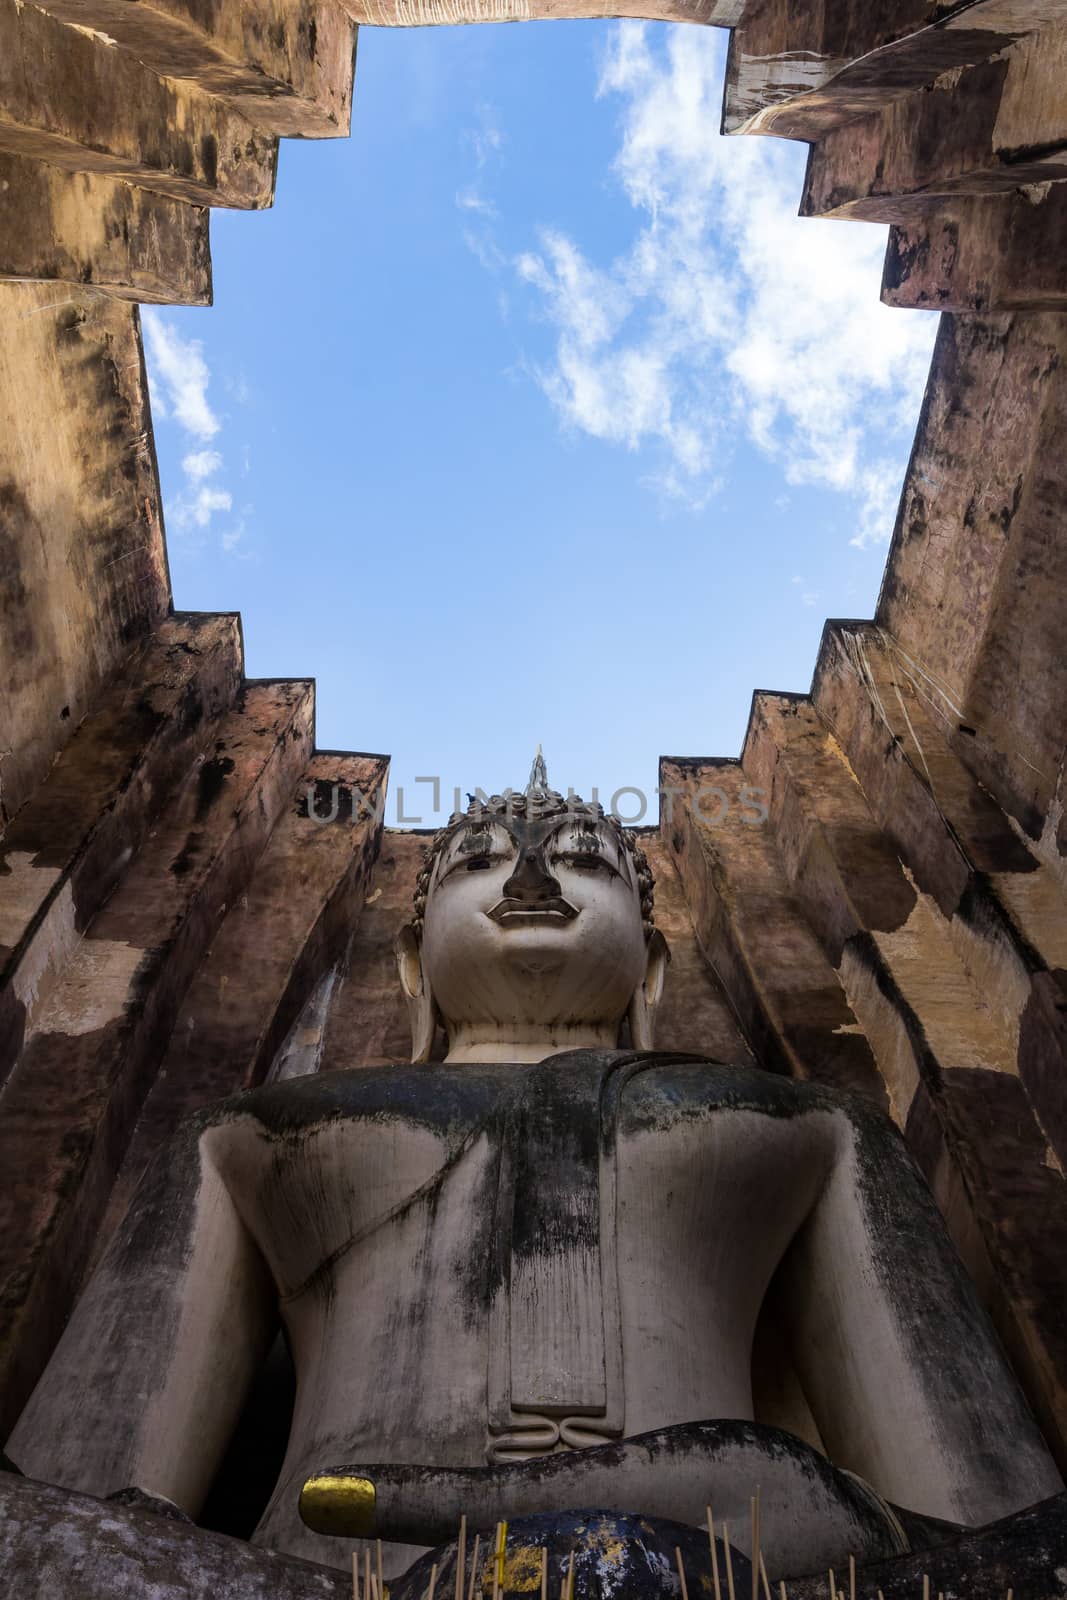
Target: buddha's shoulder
[
  {"x": 646, "y": 1088},
  {"x": 665, "y": 1087},
  {"x": 437, "y": 1097}
]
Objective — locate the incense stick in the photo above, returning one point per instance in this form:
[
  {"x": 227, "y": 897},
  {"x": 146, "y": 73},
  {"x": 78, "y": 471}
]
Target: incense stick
[
  {"x": 366, "y": 1575},
  {"x": 474, "y": 1566},
  {"x": 729, "y": 1562},
  {"x": 754, "y": 1512},
  {"x": 763, "y": 1575},
  {"x": 500, "y": 1544},
  {"x": 681, "y": 1572},
  {"x": 544, "y": 1572},
  {"x": 461, "y": 1556},
  {"x": 852, "y": 1579},
  {"x": 714, "y": 1555},
  {"x": 381, "y": 1580},
  {"x": 833, "y": 1587},
  {"x": 355, "y": 1575},
  {"x": 433, "y": 1582}
]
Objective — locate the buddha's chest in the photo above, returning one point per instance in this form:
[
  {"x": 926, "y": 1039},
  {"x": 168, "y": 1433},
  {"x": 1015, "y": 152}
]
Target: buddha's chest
[{"x": 526, "y": 1269}]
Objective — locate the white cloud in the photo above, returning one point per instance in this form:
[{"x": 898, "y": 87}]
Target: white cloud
[
  {"x": 180, "y": 380},
  {"x": 201, "y": 464},
  {"x": 182, "y": 374},
  {"x": 199, "y": 510},
  {"x": 727, "y": 316}
]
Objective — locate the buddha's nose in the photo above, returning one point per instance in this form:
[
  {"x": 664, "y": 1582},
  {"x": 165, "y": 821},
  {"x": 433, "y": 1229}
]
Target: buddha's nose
[{"x": 531, "y": 879}]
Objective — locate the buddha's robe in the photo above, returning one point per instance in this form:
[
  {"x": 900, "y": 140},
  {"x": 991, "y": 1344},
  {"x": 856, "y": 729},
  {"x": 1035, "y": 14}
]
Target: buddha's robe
[{"x": 481, "y": 1262}]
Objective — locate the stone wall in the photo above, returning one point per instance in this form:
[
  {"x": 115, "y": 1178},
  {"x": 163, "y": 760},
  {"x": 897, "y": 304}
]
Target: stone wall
[{"x": 174, "y": 924}]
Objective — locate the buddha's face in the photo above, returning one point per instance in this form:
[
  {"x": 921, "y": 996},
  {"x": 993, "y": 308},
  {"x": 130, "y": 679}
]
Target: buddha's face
[{"x": 533, "y": 924}]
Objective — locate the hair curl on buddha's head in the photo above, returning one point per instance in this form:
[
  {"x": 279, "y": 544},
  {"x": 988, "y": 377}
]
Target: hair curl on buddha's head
[{"x": 542, "y": 805}]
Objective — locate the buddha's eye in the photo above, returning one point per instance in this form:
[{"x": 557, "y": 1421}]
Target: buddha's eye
[
  {"x": 584, "y": 860},
  {"x": 470, "y": 862}
]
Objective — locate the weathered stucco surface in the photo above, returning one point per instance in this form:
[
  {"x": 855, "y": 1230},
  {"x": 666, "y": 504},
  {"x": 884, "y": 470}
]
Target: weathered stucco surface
[{"x": 82, "y": 557}]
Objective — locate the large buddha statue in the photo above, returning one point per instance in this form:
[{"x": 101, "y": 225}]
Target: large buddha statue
[{"x": 530, "y": 1277}]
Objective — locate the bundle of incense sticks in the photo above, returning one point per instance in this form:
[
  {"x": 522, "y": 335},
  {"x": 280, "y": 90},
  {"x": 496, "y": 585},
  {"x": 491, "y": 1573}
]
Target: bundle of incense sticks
[{"x": 373, "y": 1585}]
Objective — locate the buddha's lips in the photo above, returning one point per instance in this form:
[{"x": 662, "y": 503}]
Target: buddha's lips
[{"x": 509, "y": 913}]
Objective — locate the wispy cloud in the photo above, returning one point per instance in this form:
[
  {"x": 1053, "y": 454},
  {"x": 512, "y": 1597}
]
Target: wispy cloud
[
  {"x": 486, "y": 141},
  {"x": 180, "y": 381},
  {"x": 470, "y": 200},
  {"x": 727, "y": 316}
]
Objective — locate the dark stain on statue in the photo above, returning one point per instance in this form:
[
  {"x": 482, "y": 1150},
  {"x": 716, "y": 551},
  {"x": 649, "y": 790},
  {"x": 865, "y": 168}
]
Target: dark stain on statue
[
  {"x": 210, "y": 781},
  {"x": 18, "y": 528},
  {"x": 1007, "y": 517},
  {"x": 209, "y": 158},
  {"x": 183, "y": 861},
  {"x": 553, "y": 1137},
  {"x": 189, "y": 712}
]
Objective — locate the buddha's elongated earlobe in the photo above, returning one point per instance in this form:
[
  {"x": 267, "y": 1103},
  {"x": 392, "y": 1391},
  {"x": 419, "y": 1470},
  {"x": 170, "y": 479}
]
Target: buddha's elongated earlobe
[
  {"x": 422, "y": 1013},
  {"x": 642, "y": 1012}
]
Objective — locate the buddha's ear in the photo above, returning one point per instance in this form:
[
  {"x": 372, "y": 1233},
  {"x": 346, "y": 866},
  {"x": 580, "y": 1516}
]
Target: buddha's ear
[
  {"x": 422, "y": 1014},
  {"x": 642, "y": 1015}
]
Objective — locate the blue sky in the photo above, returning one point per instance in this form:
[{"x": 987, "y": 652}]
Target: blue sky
[{"x": 532, "y": 412}]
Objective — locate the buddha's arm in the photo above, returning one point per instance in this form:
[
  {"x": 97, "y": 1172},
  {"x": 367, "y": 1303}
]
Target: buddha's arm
[
  {"x": 900, "y": 1364},
  {"x": 148, "y": 1380}
]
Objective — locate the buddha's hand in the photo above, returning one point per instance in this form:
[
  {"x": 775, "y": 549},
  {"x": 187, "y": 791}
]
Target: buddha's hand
[{"x": 811, "y": 1512}]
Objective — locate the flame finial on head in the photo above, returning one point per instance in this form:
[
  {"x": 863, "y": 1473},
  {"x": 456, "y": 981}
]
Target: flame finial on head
[{"x": 537, "y": 784}]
